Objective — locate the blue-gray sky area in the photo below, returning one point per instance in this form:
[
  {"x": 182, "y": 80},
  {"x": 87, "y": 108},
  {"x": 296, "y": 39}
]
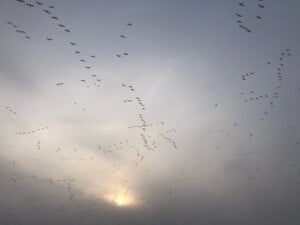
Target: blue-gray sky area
[{"x": 149, "y": 112}]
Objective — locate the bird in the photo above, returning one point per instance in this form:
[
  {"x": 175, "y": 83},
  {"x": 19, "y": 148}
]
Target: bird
[
  {"x": 122, "y": 36},
  {"x": 119, "y": 56},
  {"x": 27, "y": 37},
  {"x": 21, "y": 31},
  {"x": 39, "y": 3},
  {"x": 92, "y": 56},
  {"x": 72, "y": 43},
  {"x": 54, "y": 17},
  {"x": 67, "y": 30},
  {"x": 21, "y": 1},
  {"x": 241, "y": 4},
  {"x": 245, "y": 28},
  {"x": 30, "y": 5},
  {"x": 49, "y": 39},
  {"x": 51, "y": 7},
  {"x": 238, "y": 15},
  {"x": 47, "y": 11},
  {"x": 258, "y": 17},
  {"x": 125, "y": 53},
  {"x": 61, "y": 25},
  {"x": 77, "y": 52},
  {"x": 82, "y": 60},
  {"x": 129, "y": 24},
  {"x": 261, "y": 6},
  {"x": 88, "y": 67}
]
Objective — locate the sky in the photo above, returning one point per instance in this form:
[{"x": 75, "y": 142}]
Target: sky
[{"x": 149, "y": 112}]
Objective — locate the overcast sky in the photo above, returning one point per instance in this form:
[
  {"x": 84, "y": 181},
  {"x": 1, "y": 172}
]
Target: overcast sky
[{"x": 149, "y": 112}]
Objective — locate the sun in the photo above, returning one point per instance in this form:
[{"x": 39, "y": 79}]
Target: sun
[{"x": 122, "y": 200}]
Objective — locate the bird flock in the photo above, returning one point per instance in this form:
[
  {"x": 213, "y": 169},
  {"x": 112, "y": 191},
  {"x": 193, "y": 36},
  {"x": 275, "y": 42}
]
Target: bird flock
[
  {"x": 92, "y": 79},
  {"x": 272, "y": 94},
  {"x": 152, "y": 136},
  {"x": 243, "y": 15}
]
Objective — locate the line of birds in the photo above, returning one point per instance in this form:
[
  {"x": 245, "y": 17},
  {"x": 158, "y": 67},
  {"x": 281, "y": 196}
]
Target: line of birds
[
  {"x": 9, "y": 109},
  {"x": 18, "y": 29},
  {"x": 32, "y": 131}
]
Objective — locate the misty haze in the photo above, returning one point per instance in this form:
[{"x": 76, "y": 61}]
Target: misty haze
[{"x": 149, "y": 112}]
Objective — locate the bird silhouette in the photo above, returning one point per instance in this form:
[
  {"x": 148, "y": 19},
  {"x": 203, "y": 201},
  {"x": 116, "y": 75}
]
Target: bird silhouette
[{"x": 47, "y": 11}]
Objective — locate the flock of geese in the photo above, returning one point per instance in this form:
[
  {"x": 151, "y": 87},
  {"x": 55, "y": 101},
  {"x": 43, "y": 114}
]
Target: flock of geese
[
  {"x": 242, "y": 18},
  {"x": 148, "y": 141},
  {"x": 269, "y": 96}
]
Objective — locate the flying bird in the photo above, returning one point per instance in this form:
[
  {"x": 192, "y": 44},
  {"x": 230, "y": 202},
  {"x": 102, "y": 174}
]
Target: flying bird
[
  {"x": 47, "y": 11},
  {"x": 122, "y": 36},
  {"x": 245, "y": 28},
  {"x": 54, "y": 17},
  {"x": 129, "y": 24},
  {"x": 30, "y": 5},
  {"x": 67, "y": 30},
  {"x": 241, "y": 4},
  {"x": 119, "y": 56},
  {"x": 49, "y": 39},
  {"x": 238, "y": 15},
  {"x": 72, "y": 43},
  {"x": 125, "y": 53},
  {"x": 39, "y": 3},
  {"x": 261, "y": 6},
  {"x": 77, "y": 52},
  {"x": 258, "y": 17}
]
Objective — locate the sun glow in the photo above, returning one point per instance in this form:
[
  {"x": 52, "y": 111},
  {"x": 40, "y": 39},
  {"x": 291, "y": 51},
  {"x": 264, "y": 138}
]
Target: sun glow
[{"x": 121, "y": 199}]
